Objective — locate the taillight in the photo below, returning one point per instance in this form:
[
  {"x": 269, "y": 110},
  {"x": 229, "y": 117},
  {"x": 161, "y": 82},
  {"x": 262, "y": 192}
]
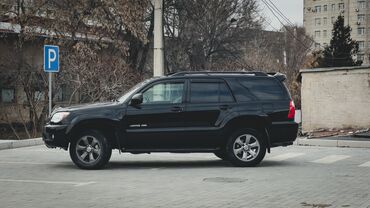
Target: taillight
[{"x": 291, "y": 113}]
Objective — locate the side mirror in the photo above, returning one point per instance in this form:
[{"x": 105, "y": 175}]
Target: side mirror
[{"x": 137, "y": 99}]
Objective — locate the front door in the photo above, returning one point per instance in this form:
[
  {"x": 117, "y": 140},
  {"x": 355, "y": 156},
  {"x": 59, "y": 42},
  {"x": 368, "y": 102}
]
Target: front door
[{"x": 156, "y": 123}]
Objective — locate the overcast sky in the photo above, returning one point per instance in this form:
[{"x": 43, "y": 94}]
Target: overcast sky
[{"x": 292, "y": 9}]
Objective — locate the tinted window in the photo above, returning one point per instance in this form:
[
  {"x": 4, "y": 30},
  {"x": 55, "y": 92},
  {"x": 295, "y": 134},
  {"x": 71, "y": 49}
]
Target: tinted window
[
  {"x": 210, "y": 93},
  {"x": 164, "y": 93},
  {"x": 263, "y": 89},
  {"x": 225, "y": 94}
]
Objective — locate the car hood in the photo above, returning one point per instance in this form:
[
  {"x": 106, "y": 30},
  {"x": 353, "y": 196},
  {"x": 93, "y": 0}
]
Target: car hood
[{"x": 89, "y": 106}]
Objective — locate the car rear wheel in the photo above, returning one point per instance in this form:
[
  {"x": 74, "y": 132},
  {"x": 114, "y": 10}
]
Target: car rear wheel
[
  {"x": 246, "y": 148},
  {"x": 90, "y": 150}
]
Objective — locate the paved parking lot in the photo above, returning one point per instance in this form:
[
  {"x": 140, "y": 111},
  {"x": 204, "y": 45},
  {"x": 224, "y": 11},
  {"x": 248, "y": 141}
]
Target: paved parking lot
[{"x": 289, "y": 177}]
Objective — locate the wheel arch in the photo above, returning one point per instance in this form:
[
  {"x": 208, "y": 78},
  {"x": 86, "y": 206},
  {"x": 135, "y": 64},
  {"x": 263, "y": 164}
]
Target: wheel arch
[
  {"x": 256, "y": 122},
  {"x": 109, "y": 127}
]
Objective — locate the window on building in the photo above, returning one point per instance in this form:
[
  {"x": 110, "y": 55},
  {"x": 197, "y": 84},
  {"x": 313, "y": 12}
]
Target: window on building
[
  {"x": 318, "y": 9},
  {"x": 39, "y": 96},
  {"x": 361, "y": 45},
  {"x": 317, "y": 46},
  {"x": 360, "y": 57},
  {"x": 332, "y": 20},
  {"x": 360, "y": 18},
  {"x": 361, "y": 4},
  {"x": 317, "y": 34},
  {"x": 341, "y": 6},
  {"x": 325, "y": 21},
  {"x": 317, "y": 21},
  {"x": 361, "y": 31},
  {"x": 333, "y": 7},
  {"x": 325, "y": 8},
  {"x": 325, "y": 33},
  {"x": 368, "y": 44},
  {"x": 8, "y": 95}
]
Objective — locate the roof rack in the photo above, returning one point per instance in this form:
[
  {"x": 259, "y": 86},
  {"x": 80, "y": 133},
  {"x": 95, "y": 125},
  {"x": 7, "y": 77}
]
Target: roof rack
[{"x": 184, "y": 73}]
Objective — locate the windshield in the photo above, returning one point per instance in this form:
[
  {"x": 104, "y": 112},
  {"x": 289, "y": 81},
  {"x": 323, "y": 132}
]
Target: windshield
[{"x": 132, "y": 91}]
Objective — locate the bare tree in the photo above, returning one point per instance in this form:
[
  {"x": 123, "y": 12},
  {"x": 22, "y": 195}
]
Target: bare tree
[
  {"x": 207, "y": 30},
  {"x": 107, "y": 26}
]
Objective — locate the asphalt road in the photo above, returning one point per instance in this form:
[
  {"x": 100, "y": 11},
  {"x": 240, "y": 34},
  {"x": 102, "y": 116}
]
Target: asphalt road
[{"x": 289, "y": 177}]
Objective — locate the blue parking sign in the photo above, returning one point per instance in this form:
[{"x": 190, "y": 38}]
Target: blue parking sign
[{"x": 51, "y": 58}]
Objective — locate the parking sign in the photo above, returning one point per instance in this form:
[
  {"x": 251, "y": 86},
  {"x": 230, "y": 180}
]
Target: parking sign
[{"x": 51, "y": 58}]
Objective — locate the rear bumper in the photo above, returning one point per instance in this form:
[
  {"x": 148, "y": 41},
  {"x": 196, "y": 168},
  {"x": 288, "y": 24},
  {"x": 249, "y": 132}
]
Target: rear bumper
[
  {"x": 283, "y": 133},
  {"x": 55, "y": 136}
]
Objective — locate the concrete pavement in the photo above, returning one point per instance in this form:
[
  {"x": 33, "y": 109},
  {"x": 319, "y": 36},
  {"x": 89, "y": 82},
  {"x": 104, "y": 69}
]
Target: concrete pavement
[{"x": 296, "y": 176}]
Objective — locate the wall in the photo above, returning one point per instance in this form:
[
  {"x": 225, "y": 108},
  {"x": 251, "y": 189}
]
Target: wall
[{"x": 335, "y": 98}]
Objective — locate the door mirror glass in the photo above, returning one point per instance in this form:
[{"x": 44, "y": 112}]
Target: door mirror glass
[{"x": 137, "y": 99}]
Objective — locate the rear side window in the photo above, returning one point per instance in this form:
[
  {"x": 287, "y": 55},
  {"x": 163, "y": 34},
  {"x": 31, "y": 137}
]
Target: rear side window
[
  {"x": 209, "y": 92},
  {"x": 263, "y": 89}
]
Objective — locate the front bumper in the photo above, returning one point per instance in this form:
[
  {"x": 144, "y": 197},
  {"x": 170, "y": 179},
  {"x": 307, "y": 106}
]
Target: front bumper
[{"x": 55, "y": 136}]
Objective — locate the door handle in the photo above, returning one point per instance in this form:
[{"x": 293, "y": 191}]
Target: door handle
[
  {"x": 177, "y": 109},
  {"x": 224, "y": 107}
]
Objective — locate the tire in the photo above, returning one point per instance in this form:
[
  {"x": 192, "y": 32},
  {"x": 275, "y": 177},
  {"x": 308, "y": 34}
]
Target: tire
[
  {"x": 244, "y": 153},
  {"x": 90, "y": 150},
  {"x": 221, "y": 154}
]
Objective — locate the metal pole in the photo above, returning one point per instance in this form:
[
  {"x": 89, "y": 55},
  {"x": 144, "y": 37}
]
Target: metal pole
[
  {"x": 158, "y": 65},
  {"x": 50, "y": 93}
]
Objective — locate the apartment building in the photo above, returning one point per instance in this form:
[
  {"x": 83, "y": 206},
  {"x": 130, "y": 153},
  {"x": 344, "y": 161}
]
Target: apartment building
[{"x": 319, "y": 16}]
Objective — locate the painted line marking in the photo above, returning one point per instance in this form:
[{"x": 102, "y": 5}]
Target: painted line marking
[
  {"x": 367, "y": 164},
  {"x": 76, "y": 184},
  {"x": 331, "y": 159},
  {"x": 25, "y": 163},
  {"x": 285, "y": 156}
]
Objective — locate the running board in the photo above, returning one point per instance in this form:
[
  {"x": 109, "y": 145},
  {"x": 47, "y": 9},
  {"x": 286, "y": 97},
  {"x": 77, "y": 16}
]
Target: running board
[{"x": 190, "y": 150}]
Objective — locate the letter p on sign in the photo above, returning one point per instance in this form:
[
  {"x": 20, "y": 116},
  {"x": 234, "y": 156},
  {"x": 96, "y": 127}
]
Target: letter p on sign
[{"x": 51, "y": 58}]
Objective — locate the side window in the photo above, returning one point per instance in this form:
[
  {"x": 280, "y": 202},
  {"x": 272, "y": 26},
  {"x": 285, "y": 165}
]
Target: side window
[
  {"x": 211, "y": 92},
  {"x": 164, "y": 93},
  {"x": 263, "y": 89},
  {"x": 204, "y": 92},
  {"x": 225, "y": 94}
]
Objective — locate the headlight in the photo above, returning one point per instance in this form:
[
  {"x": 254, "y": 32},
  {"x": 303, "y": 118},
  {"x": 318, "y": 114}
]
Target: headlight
[{"x": 58, "y": 117}]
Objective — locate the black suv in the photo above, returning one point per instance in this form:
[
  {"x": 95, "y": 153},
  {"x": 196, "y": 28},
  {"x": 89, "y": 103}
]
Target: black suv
[{"x": 236, "y": 115}]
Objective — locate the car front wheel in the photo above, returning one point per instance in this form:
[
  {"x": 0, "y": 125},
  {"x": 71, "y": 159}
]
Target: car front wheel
[
  {"x": 246, "y": 148},
  {"x": 90, "y": 150}
]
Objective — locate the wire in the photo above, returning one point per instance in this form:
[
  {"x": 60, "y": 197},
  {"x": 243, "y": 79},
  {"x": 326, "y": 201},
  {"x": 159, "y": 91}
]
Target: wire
[
  {"x": 273, "y": 8},
  {"x": 287, "y": 29}
]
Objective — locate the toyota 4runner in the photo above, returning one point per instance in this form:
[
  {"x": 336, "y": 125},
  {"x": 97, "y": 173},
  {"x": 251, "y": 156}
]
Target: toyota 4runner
[{"x": 238, "y": 116}]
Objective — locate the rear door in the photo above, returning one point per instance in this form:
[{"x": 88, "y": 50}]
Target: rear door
[{"x": 209, "y": 101}]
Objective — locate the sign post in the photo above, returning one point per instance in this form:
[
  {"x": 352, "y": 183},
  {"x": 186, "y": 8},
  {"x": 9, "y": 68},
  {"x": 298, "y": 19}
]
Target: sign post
[{"x": 51, "y": 65}]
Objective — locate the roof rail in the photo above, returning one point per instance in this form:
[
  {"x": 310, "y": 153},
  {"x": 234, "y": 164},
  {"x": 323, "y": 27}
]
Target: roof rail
[{"x": 183, "y": 73}]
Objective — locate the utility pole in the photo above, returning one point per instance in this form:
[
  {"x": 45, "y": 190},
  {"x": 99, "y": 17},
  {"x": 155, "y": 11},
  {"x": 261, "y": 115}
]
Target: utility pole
[{"x": 158, "y": 65}]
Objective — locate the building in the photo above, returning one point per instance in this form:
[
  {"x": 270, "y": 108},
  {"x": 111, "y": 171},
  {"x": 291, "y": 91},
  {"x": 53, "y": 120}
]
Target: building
[
  {"x": 335, "y": 98},
  {"x": 319, "y": 16}
]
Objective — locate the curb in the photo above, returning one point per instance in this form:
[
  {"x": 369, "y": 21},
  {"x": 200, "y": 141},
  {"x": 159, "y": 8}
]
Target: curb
[
  {"x": 332, "y": 143},
  {"x": 21, "y": 143}
]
